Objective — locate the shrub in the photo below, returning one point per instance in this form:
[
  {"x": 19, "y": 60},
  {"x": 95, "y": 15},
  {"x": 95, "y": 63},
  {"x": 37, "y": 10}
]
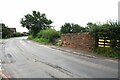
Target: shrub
[
  {"x": 17, "y": 34},
  {"x": 111, "y": 30},
  {"x": 49, "y": 34},
  {"x": 30, "y": 37},
  {"x": 41, "y": 40}
]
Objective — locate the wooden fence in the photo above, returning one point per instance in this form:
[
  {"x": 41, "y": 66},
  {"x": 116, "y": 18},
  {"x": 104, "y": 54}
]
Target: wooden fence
[{"x": 106, "y": 42}]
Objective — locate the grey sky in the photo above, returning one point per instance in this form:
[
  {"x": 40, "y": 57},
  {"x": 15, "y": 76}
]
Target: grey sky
[{"x": 59, "y": 11}]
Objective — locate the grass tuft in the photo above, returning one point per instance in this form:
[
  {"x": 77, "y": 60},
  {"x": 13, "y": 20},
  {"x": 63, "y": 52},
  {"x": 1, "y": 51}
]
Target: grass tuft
[{"x": 108, "y": 52}]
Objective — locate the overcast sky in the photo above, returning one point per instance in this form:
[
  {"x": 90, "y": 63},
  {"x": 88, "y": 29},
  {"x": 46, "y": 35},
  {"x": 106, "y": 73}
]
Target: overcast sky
[{"x": 59, "y": 11}]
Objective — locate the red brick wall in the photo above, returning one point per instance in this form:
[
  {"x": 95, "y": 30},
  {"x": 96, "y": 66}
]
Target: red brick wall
[{"x": 82, "y": 41}]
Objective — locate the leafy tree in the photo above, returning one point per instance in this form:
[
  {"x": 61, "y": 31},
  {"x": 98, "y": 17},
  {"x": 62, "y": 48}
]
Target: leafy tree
[
  {"x": 77, "y": 28},
  {"x": 93, "y": 28},
  {"x": 35, "y": 22},
  {"x": 72, "y": 28},
  {"x": 5, "y": 31},
  {"x": 66, "y": 28}
]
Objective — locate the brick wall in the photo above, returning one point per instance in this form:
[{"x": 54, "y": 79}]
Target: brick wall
[{"x": 82, "y": 41}]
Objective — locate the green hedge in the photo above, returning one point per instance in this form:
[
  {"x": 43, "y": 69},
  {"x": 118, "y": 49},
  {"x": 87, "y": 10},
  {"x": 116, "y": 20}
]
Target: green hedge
[
  {"x": 17, "y": 34},
  {"x": 110, "y": 30},
  {"x": 49, "y": 34}
]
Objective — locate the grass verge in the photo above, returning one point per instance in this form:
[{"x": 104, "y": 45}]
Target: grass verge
[
  {"x": 40, "y": 40},
  {"x": 108, "y": 52},
  {"x": 105, "y": 52}
]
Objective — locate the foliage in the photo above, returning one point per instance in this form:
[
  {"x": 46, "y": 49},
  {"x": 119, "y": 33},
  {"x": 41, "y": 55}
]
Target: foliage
[
  {"x": 30, "y": 37},
  {"x": 5, "y": 31},
  {"x": 35, "y": 22},
  {"x": 41, "y": 40},
  {"x": 110, "y": 30},
  {"x": 71, "y": 28},
  {"x": 17, "y": 34},
  {"x": 49, "y": 34},
  {"x": 108, "y": 52}
]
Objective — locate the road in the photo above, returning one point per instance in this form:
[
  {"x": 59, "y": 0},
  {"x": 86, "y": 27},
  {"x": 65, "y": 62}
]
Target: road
[{"x": 22, "y": 58}]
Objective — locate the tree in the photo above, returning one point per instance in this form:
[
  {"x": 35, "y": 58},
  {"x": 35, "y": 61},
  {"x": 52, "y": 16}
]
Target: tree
[
  {"x": 66, "y": 28},
  {"x": 71, "y": 28},
  {"x": 77, "y": 28},
  {"x": 5, "y": 31},
  {"x": 35, "y": 22}
]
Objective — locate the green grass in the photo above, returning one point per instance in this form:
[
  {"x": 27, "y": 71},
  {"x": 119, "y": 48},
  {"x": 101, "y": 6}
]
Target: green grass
[
  {"x": 41, "y": 40},
  {"x": 108, "y": 52},
  {"x": 30, "y": 37}
]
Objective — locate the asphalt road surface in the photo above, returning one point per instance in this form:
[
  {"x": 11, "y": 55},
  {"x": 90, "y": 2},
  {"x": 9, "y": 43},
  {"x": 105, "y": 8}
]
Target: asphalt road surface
[{"x": 22, "y": 58}]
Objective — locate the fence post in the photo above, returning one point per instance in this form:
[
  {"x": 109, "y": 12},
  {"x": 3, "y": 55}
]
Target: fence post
[
  {"x": 96, "y": 40},
  {"x": 104, "y": 40}
]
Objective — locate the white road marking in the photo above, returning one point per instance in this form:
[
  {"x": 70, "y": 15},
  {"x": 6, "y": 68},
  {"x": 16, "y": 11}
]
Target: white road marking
[{"x": 115, "y": 61}]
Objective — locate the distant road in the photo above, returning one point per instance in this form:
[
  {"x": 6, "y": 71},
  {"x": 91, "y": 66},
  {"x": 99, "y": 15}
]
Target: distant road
[{"x": 22, "y": 58}]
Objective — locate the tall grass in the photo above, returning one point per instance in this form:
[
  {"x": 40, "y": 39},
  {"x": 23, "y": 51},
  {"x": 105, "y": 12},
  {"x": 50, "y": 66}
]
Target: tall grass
[{"x": 108, "y": 52}]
